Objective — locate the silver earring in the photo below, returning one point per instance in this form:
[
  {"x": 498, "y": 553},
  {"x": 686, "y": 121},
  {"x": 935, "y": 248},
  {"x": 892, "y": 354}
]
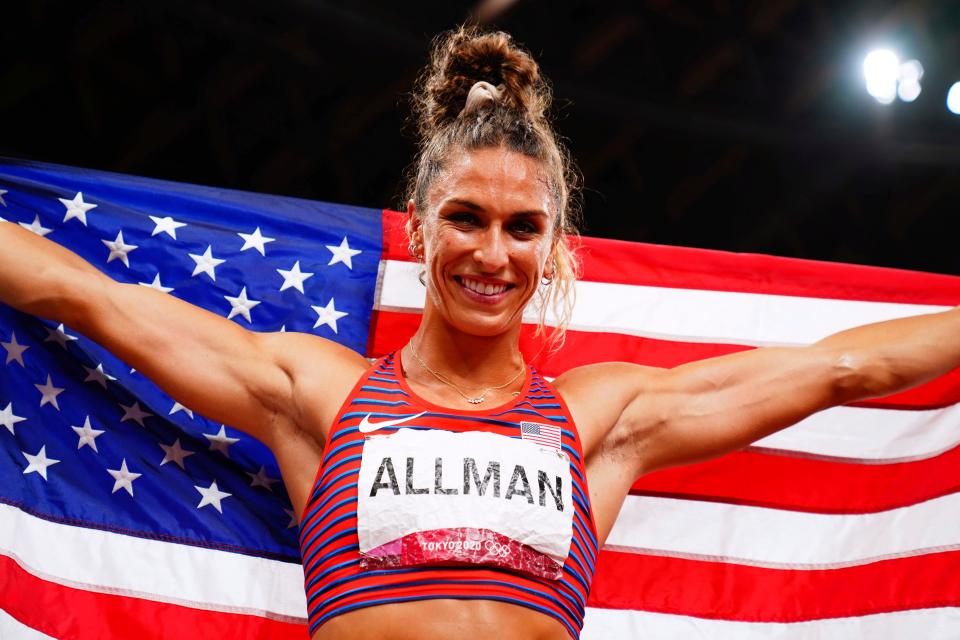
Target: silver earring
[{"x": 545, "y": 280}]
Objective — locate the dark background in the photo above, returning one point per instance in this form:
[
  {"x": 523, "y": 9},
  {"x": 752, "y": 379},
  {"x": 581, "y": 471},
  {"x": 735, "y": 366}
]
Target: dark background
[{"x": 742, "y": 126}]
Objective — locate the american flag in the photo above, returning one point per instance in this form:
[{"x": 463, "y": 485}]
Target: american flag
[
  {"x": 123, "y": 514},
  {"x": 545, "y": 434}
]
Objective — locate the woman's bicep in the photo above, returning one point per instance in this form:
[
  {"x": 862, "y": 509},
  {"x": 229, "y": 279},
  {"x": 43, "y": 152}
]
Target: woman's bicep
[
  {"x": 204, "y": 361},
  {"x": 709, "y": 408}
]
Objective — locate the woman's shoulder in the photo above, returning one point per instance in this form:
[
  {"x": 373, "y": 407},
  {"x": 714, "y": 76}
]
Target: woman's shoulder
[
  {"x": 596, "y": 395},
  {"x": 321, "y": 374}
]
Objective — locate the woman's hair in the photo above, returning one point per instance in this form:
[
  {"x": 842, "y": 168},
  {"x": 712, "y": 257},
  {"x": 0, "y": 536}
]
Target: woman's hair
[{"x": 513, "y": 114}]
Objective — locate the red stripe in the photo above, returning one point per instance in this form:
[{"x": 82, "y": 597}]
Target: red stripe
[
  {"x": 686, "y": 268},
  {"x": 390, "y": 330},
  {"x": 67, "y": 612},
  {"x": 752, "y": 594},
  {"x": 801, "y": 484}
]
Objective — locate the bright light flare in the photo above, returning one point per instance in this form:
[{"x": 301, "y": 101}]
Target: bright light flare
[
  {"x": 910, "y": 73},
  {"x": 953, "y": 98},
  {"x": 881, "y": 69},
  {"x": 908, "y": 91}
]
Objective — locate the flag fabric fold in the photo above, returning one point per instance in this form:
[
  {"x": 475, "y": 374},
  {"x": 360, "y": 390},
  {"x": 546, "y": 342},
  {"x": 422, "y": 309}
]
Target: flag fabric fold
[{"x": 124, "y": 513}]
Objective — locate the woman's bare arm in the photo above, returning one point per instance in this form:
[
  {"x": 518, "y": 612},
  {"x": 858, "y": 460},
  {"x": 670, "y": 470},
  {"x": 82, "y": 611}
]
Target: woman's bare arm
[
  {"x": 206, "y": 362},
  {"x": 704, "y": 409}
]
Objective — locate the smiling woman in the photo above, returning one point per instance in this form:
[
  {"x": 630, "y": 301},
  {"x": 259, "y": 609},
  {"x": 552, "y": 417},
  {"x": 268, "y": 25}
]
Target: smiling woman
[{"x": 482, "y": 92}]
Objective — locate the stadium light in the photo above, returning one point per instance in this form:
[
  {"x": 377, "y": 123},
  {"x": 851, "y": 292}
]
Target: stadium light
[
  {"x": 881, "y": 69},
  {"x": 911, "y": 72},
  {"x": 953, "y": 98},
  {"x": 887, "y": 78}
]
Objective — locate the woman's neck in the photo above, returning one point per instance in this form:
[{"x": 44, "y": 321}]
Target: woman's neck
[{"x": 467, "y": 360}]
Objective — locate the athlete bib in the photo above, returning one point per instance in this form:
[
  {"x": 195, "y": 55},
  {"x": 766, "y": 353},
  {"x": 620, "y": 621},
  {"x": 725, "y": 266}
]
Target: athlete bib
[{"x": 438, "y": 497}]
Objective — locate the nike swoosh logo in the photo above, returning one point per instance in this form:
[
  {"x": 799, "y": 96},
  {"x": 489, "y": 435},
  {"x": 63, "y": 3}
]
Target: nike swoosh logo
[{"x": 366, "y": 426}]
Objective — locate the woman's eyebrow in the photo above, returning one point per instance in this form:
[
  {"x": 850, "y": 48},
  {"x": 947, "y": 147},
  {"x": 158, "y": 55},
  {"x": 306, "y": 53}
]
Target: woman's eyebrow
[
  {"x": 469, "y": 204},
  {"x": 529, "y": 213},
  {"x": 466, "y": 203}
]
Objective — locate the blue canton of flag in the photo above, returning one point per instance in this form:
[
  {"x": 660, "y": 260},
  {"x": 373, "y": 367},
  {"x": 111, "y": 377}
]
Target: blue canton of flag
[
  {"x": 545, "y": 434},
  {"x": 87, "y": 441}
]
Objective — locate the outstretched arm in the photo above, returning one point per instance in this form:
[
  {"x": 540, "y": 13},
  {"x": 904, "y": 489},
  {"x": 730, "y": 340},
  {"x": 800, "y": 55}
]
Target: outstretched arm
[
  {"x": 204, "y": 361},
  {"x": 710, "y": 407}
]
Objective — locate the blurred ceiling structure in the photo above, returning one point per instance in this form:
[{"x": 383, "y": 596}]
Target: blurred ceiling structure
[{"x": 741, "y": 126}]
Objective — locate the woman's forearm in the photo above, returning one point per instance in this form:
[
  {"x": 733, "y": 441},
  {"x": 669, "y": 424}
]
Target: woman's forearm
[
  {"x": 38, "y": 276},
  {"x": 887, "y": 357}
]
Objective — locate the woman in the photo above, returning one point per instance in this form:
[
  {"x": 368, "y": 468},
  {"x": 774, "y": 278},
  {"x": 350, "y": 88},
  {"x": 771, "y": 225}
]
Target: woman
[{"x": 449, "y": 489}]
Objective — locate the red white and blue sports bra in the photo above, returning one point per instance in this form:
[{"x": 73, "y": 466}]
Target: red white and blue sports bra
[{"x": 413, "y": 501}]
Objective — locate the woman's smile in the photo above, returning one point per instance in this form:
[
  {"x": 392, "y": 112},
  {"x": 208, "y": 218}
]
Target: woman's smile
[{"x": 483, "y": 290}]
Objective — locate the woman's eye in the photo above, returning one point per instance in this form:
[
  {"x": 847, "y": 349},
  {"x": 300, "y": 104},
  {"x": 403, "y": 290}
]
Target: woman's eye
[
  {"x": 525, "y": 228},
  {"x": 462, "y": 218}
]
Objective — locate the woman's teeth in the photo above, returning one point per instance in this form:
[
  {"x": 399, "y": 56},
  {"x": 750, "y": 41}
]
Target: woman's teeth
[{"x": 484, "y": 288}]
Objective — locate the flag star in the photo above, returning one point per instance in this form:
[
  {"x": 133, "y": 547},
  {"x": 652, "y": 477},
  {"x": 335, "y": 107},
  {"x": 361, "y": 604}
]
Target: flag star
[
  {"x": 156, "y": 285},
  {"x": 342, "y": 253},
  {"x": 36, "y": 227},
  {"x": 328, "y": 315},
  {"x": 59, "y": 335},
  {"x": 206, "y": 263},
  {"x": 221, "y": 441},
  {"x": 293, "y": 518},
  {"x": 241, "y": 305},
  {"x": 179, "y": 407},
  {"x": 97, "y": 375},
  {"x": 166, "y": 225},
  {"x": 77, "y": 208},
  {"x": 38, "y": 462},
  {"x": 211, "y": 495},
  {"x": 119, "y": 249},
  {"x": 293, "y": 277},
  {"x": 2, "y": 201},
  {"x": 260, "y": 479},
  {"x": 9, "y": 419},
  {"x": 14, "y": 350},
  {"x": 123, "y": 478},
  {"x": 88, "y": 435},
  {"x": 135, "y": 413},
  {"x": 255, "y": 241},
  {"x": 50, "y": 393},
  {"x": 175, "y": 453}
]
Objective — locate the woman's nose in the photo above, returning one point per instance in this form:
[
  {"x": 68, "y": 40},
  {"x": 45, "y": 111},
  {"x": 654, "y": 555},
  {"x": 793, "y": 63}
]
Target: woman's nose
[{"x": 491, "y": 254}]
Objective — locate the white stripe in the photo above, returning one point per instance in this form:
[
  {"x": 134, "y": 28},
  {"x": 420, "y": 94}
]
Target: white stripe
[
  {"x": 859, "y": 434},
  {"x": 871, "y": 435},
  {"x": 13, "y": 629},
  {"x": 780, "y": 538},
  {"x": 115, "y": 563},
  {"x": 692, "y": 315},
  {"x": 929, "y": 624}
]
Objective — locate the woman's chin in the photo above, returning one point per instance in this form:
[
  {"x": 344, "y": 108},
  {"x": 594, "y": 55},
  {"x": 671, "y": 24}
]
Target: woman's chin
[{"x": 484, "y": 325}]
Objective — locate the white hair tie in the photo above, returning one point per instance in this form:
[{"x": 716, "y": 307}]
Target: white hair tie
[{"x": 480, "y": 94}]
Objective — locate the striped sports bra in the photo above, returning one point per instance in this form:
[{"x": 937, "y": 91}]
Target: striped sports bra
[{"x": 340, "y": 524}]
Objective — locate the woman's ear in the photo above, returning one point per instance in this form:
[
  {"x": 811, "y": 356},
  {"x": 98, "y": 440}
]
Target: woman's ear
[
  {"x": 413, "y": 222},
  {"x": 550, "y": 267},
  {"x": 414, "y": 232}
]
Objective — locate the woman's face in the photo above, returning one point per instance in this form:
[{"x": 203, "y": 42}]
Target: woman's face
[{"x": 487, "y": 236}]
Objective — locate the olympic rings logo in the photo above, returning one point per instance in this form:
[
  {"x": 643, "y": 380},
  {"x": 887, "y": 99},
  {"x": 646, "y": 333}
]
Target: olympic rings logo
[{"x": 497, "y": 549}]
